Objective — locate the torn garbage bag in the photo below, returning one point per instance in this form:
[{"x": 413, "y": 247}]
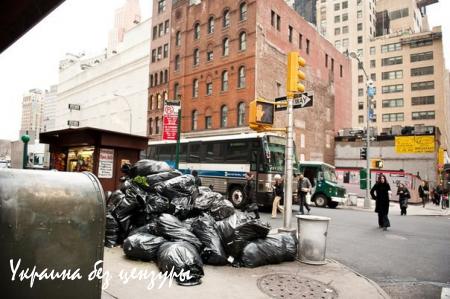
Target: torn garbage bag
[
  {"x": 147, "y": 167},
  {"x": 172, "y": 229},
  {"x": 178, "y": 258},
  {"x": 142, "y": 246},
  {"x": 274, "y": 249},
  {"x": 204, "y": 227}
]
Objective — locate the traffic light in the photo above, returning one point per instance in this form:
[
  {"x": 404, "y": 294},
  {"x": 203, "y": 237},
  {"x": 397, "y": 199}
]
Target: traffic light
[
  {"x": 377, "y": 163},
  {"x": 294, "y": 74},
  {"x": 261, "y": 114},
  {"x": 363, "y": 153}
]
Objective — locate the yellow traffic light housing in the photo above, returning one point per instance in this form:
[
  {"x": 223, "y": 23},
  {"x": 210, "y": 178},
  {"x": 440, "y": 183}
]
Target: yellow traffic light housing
[
  {"x": 294, "y": 74},
  {"x": 261, "y": 112},
  {"x": 377, "y": 163}
]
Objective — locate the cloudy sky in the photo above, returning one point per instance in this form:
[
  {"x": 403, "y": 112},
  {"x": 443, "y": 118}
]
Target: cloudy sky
[{"x": 82, "y": 26}]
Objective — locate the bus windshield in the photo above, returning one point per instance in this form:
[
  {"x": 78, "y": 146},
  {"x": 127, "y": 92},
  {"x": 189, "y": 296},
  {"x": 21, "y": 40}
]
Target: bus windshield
[
  {"x": 329, "y": 174},
  {"x": 274, "y": 153}
]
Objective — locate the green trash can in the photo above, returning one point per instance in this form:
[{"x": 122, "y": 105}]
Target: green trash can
[{"x": 55, "y": 221}]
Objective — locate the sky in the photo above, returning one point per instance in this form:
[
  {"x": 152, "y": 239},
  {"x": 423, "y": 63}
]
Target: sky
[{"x": 82, "y": 26}]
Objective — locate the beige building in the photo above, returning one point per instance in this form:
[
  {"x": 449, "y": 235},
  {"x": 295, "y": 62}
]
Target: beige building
[{"x": 32, "y": 111}]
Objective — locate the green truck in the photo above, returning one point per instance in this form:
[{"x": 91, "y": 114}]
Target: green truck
[{"x": 325, "y": 189}]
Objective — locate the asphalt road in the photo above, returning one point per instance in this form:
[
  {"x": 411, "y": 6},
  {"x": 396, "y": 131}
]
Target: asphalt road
[{"x": 410, "y": 260}]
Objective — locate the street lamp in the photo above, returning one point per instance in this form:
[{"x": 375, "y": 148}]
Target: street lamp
[
  {"x": 370, "y": 93},
  {"x": 129, "y": 108}
]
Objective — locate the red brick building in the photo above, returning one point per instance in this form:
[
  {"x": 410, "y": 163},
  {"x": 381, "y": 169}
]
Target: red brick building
[{"x": 226, "y": 53}]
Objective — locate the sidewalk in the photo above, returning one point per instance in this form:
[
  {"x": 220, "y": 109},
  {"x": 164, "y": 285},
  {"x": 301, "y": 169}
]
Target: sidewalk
[
  {"x": 413, "y": 210},
  {"x": 287, "y": 280}
]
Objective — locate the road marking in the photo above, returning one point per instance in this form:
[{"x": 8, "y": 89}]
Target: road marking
[{"x": 395, "y": 237}]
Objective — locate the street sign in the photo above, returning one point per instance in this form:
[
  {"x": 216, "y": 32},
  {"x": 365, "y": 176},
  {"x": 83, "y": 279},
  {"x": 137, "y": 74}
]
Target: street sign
[
  {"x": 74, "y": 107},
  {"x": 170, "y": 120},
  {"x": 73, "y": 123},
  {"x": 301, "y": 100}
]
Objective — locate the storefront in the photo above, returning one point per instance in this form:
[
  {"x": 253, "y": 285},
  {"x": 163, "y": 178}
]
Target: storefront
[{"x": 98, "y": 151}]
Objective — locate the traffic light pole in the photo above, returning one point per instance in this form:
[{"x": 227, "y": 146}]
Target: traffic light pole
[
  {"x": 287, "y": 215},
  {"x": 367, "y": 204}
]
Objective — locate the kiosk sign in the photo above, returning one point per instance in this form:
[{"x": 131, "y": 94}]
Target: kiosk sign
[
  {"x": 105, "y": 163},
  {"x": 170, "y": 120}
]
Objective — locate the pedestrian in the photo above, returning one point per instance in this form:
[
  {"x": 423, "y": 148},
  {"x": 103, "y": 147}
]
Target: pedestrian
[
  {"x": 197, "y": 179},
  {"x": 380, "y": 192},
  {"x": 423, "y": 192},
  {"x": 303, "y": 187},
  {"x": 250, "y": 200},
  {"x": 440, "y": 194},
  {"x": 278, "y": 193},
  {"x": 403, "y": 197}
]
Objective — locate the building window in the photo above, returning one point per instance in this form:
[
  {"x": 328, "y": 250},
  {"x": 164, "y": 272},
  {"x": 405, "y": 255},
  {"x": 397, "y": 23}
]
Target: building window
[
  {"x": 290, "y": 33},
  {"x": 194, "y": 120},
  {"x": 150, "y": 103},
  {"x": 326, "y": 60},
  {"x": 373, "y": 76},
  {"x": 209, "y": 88},
  {"x": 273, "y": 16},
  {"x": 210, "y": 25},
  {"x": 422, "y": 71},
  {"x": 392, "y": 88},
  {"x": 157, "y": 125},
  {"x": 421, "y": 56},
  {"x": 165, "y": 96},
  {"x": 161, "y": 77},
  {"x": 278, "y": 22},
  {"x": 166, "y": 27},
  {"x": 223, "y": 116},
  {"x": 360, "y": 119},
  {"x": 243, "y": 11},
  {"x": 208, "y": 122},
  {"x": 225, "y": 46},
  {"x": 160, "y": 30},
  {"x": 166, "y": 76},
  {"x": 422, "y": 85},
  {"x": 344, "y": 29},
  {"x": 421, "y": 43},
  {"x": 392, "y": 103},
  {"x": 423, "y": 115},
  {"x": 372, "y": 63},
  {"x": 241, "y": 114},
  {"x": 360, "y": 39},
  {"x": 241, "y": 77},
  {"x": 224, "y": 81},
  {"x": 226, "y": 18},
  {"x": 197, "y": 31},
  {"x": 360, "y": 92},
  {"x": 341, "y": 71},
  {"x": 178, "y": 39},
  {"x": 156, "y": 79},
  {"x": 359, "y": 14},
  {"x": 151, "y": 81},
  {"x": 176, "y": 90},
  {"x": 195, "y": 88},
  {"x": 196, "y": 56},
  {"x": 392, "y": 75},
  {"x": 391, "y": 47},
  {"x": 153, "y": 55},
  {"x": 337, "y": 6},
  {"x": 372, "y": 50},
  {"x": 344, "y": 4},
  {"x": 345, "y": 43},
  {"x": 159, "y": 103},
  {"x": 307, "y": 46},
  {"x": 337, "y": 31},
  {"x": 360, "y": 79},
  {"x": 177, "y": 62},
  {"x": 337, "y": 44},
  {"x": 150, "y": 126},
  {"x": 344, "y": 17},
  {"x": 337, "y": 19},
  {"x": 161, "y": 6},
  {"x": 300, "y": 40},
  {"x": 360, "y": 105},
  {"x": 392, "y": 60},
  {"x": 155, "y": 32},
  {"x": 427, "y": 100},
  {"x": 209, "y": 55},
  {"x": 243, "y": 41},
  {"x": 392, "y": 117}
]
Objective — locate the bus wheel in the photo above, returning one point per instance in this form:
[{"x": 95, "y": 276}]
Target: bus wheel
[
  {"x": 333, "y": 204},
  {"x": 237, "y": 197},
  {"x": 321, "y": 201}
]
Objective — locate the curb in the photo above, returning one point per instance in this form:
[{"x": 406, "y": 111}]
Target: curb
[
  {"x": 373, "y": 283},
  {"x": 372, "y": 210}
]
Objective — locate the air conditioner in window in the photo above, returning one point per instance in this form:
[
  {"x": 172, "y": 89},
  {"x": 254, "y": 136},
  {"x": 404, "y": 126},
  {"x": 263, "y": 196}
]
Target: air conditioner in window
[{"x": 159, "y": 57}]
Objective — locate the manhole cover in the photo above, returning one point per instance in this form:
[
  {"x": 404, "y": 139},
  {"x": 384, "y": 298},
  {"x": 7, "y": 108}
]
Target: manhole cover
[{"x": 286, "y": 286}]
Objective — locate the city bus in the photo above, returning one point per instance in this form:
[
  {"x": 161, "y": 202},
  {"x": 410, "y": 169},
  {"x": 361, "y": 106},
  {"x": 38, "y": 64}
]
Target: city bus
[{"x": 222, "y": 161}]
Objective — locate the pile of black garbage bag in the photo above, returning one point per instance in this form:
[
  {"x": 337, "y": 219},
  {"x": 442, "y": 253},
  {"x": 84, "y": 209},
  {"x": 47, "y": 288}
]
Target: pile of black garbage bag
[{"x": 160, "y": 215}]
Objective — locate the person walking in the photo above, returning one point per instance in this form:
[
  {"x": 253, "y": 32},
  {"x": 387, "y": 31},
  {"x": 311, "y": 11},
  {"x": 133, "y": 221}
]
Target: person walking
[
  {"x": 278, "y": 192},
  {"x": 250, "y": 200},
  {"x": 380, "y": 192},
  {"x": 423, "y": 192},
  {"x": 303, "y": 187},
  {"x": 197, "y": 179},
  {"x": 403, "y": 197}
]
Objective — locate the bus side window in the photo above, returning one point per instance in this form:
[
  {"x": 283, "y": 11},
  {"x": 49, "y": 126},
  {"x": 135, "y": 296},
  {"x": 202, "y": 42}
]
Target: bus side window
[
  {"x": 253, "y": 161},
  {"x": 194, "y": 152}
]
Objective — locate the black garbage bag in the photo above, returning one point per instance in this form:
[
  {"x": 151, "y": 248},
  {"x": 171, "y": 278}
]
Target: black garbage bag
[
  {"x": 151, "y": 228},
  {"x": 171, "y": 228},
  {"x": 221, "y": 209},
  {"x": 180, "y": 186},
  {"x": 142, "y": 246},
  {"x": 114, "y": 199},
  {"x": 147, "y": 167},
  {"x": 112, "y": 231},
  {"x": 182, "y": 206},
  {"x": 274, "y": 249},
  {"x": 245, "y": 232},
  {"x": 129, "y": 203},
  {"x": 155, "y": 203},
  {"x": 213, "y": 253},
  {"x": 204, "y": 189},
  {"x": 180, "y": 257},
  {"x": 156, "y": 178},
  {"x": 205, "y": 200},
  {"x": 125, "y": 185},
  {"x": 226, "y": 227}
]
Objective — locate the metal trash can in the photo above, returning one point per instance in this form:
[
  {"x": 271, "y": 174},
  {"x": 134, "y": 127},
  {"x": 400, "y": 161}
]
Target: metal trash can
[
  {"x": 312, "y": 240},
  {"x": 55, "y": 221}
]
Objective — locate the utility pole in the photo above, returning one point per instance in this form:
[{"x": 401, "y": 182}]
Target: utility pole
[{"x": 177, "y": 147}]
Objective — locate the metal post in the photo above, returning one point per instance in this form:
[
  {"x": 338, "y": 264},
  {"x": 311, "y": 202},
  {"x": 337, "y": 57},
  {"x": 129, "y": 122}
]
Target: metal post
[
  {"x": 25, "y": 139},
  {"x": 288, "y": 164},
  {"x": 177, "y": 148},
  {"x": 367, "y": 204}
]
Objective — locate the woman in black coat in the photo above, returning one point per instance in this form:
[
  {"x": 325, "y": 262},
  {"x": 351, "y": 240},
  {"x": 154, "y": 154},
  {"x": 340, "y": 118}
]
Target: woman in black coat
[
  {"x": 380, "y": 192},
  {"x": 403, "y": 196}
]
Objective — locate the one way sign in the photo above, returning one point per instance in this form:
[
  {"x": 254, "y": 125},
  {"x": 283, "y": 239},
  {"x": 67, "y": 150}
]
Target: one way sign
[{"x": 301, "y": 100}]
